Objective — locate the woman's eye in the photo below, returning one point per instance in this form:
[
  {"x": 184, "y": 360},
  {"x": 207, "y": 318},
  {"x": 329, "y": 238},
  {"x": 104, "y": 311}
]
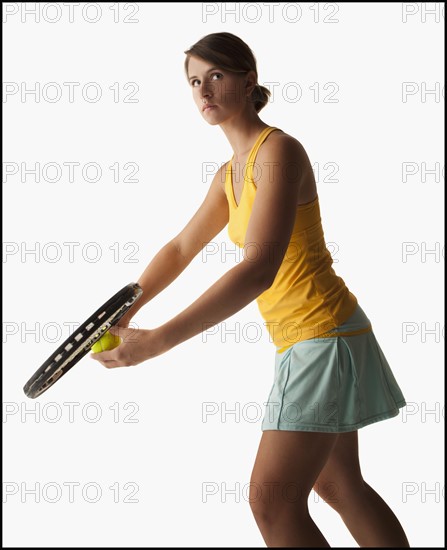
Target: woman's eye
[{"x": 217, "y": 75}]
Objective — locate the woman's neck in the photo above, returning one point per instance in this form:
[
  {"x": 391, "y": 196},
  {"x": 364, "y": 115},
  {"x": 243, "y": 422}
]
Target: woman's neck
[{"x": 242, "y": 133}]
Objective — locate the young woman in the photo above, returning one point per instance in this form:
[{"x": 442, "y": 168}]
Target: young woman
[{"x": 331, "y": 377}]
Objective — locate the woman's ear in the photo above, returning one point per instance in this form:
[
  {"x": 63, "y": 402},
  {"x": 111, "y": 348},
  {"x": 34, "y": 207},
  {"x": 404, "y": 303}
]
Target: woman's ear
[{"x": 250, "y": 82}]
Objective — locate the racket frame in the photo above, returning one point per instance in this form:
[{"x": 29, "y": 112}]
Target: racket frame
[{"x": 58, "y": 363}]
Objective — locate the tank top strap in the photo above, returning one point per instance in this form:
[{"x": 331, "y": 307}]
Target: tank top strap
[{"x": 254, "y": 151}]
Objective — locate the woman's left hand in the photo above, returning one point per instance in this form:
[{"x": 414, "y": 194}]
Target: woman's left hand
[{"x": 137, "y": 346}]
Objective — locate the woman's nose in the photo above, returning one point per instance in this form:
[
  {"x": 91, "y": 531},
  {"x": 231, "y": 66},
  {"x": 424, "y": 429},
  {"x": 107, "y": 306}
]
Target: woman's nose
[{"x": 206, "y": 90}]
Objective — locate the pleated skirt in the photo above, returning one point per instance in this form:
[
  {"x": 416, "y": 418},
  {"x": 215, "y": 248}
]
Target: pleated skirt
[{"x": 333, "y": 384}]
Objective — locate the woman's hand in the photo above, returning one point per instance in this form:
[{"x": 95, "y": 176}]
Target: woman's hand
[{"x": 137, "y": 346}]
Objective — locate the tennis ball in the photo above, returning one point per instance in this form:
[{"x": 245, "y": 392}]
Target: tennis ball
[{"x": 106, "y": 342}]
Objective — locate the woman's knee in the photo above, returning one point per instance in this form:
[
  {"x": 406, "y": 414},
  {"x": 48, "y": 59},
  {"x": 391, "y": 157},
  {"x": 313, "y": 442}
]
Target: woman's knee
[
  {"x": 270, "y": 501},
  {"x": 340, "y": 482}
]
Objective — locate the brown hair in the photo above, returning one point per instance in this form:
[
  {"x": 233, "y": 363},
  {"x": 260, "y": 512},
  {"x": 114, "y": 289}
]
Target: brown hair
[{"x": 229, "y": 52}]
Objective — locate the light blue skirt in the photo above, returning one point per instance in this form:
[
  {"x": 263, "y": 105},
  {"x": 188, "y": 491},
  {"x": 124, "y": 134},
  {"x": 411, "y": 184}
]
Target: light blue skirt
[{"x": 333, "y": 384}]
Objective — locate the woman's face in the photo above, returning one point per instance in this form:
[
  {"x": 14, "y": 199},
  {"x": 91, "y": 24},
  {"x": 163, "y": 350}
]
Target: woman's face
[{"x": 219, "y": 94}]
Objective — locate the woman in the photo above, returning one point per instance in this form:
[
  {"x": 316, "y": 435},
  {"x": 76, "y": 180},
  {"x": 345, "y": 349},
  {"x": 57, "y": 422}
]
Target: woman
[{"x": 331, "y": 377}]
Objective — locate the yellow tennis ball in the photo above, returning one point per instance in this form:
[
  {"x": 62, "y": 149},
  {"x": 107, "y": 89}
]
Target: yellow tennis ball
[{"x": 106, "y": 342}]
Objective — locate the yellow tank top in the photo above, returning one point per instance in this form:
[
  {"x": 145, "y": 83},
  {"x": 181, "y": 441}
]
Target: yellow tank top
[{"x": 307, "y": 299}]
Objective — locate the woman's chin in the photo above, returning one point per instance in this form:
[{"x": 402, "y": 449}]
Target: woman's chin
[{"x": 214, "y": 118}]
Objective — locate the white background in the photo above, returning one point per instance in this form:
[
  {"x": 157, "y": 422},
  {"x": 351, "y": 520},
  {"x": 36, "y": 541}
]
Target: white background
[{"x": 364, "y": 53}]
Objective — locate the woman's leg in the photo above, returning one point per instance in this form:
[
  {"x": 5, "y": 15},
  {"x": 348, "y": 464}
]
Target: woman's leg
[
  {"x": 286, "y": 468},
  {"x": 368, "y": 517}
]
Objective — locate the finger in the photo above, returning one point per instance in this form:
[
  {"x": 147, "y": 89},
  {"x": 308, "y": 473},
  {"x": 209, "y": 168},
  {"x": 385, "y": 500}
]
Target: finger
[
  {"x": 108, "y": 355},
  {"x": 108, "y": 359},
  {"x": 109, "y": 364},
  {"x": 114, "y": 364}
]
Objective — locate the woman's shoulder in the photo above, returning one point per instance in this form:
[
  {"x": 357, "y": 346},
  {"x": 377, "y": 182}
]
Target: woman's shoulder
[
  {"x": 285, "y": 150},
  {"x": 280, "y": 143}
]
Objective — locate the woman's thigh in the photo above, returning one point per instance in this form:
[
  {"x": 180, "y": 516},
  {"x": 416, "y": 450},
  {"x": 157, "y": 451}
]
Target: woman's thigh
[
  {"x": 340, "y": 481},
  {"x": 286, "y": 468}
]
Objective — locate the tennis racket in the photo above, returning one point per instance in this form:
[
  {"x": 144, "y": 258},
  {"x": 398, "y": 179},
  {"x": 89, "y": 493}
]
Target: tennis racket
[{"x": 80, "y": 342}]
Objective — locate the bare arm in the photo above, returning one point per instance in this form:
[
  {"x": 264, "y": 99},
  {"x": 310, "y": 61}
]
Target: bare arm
[
  {"x": 269, "y": 228},
  {"x": 164, "y": 268},
  {"x": 173, "y": 258},
  {"x": 270, "y": 225},
  {"x": 234, "y": 290}
]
